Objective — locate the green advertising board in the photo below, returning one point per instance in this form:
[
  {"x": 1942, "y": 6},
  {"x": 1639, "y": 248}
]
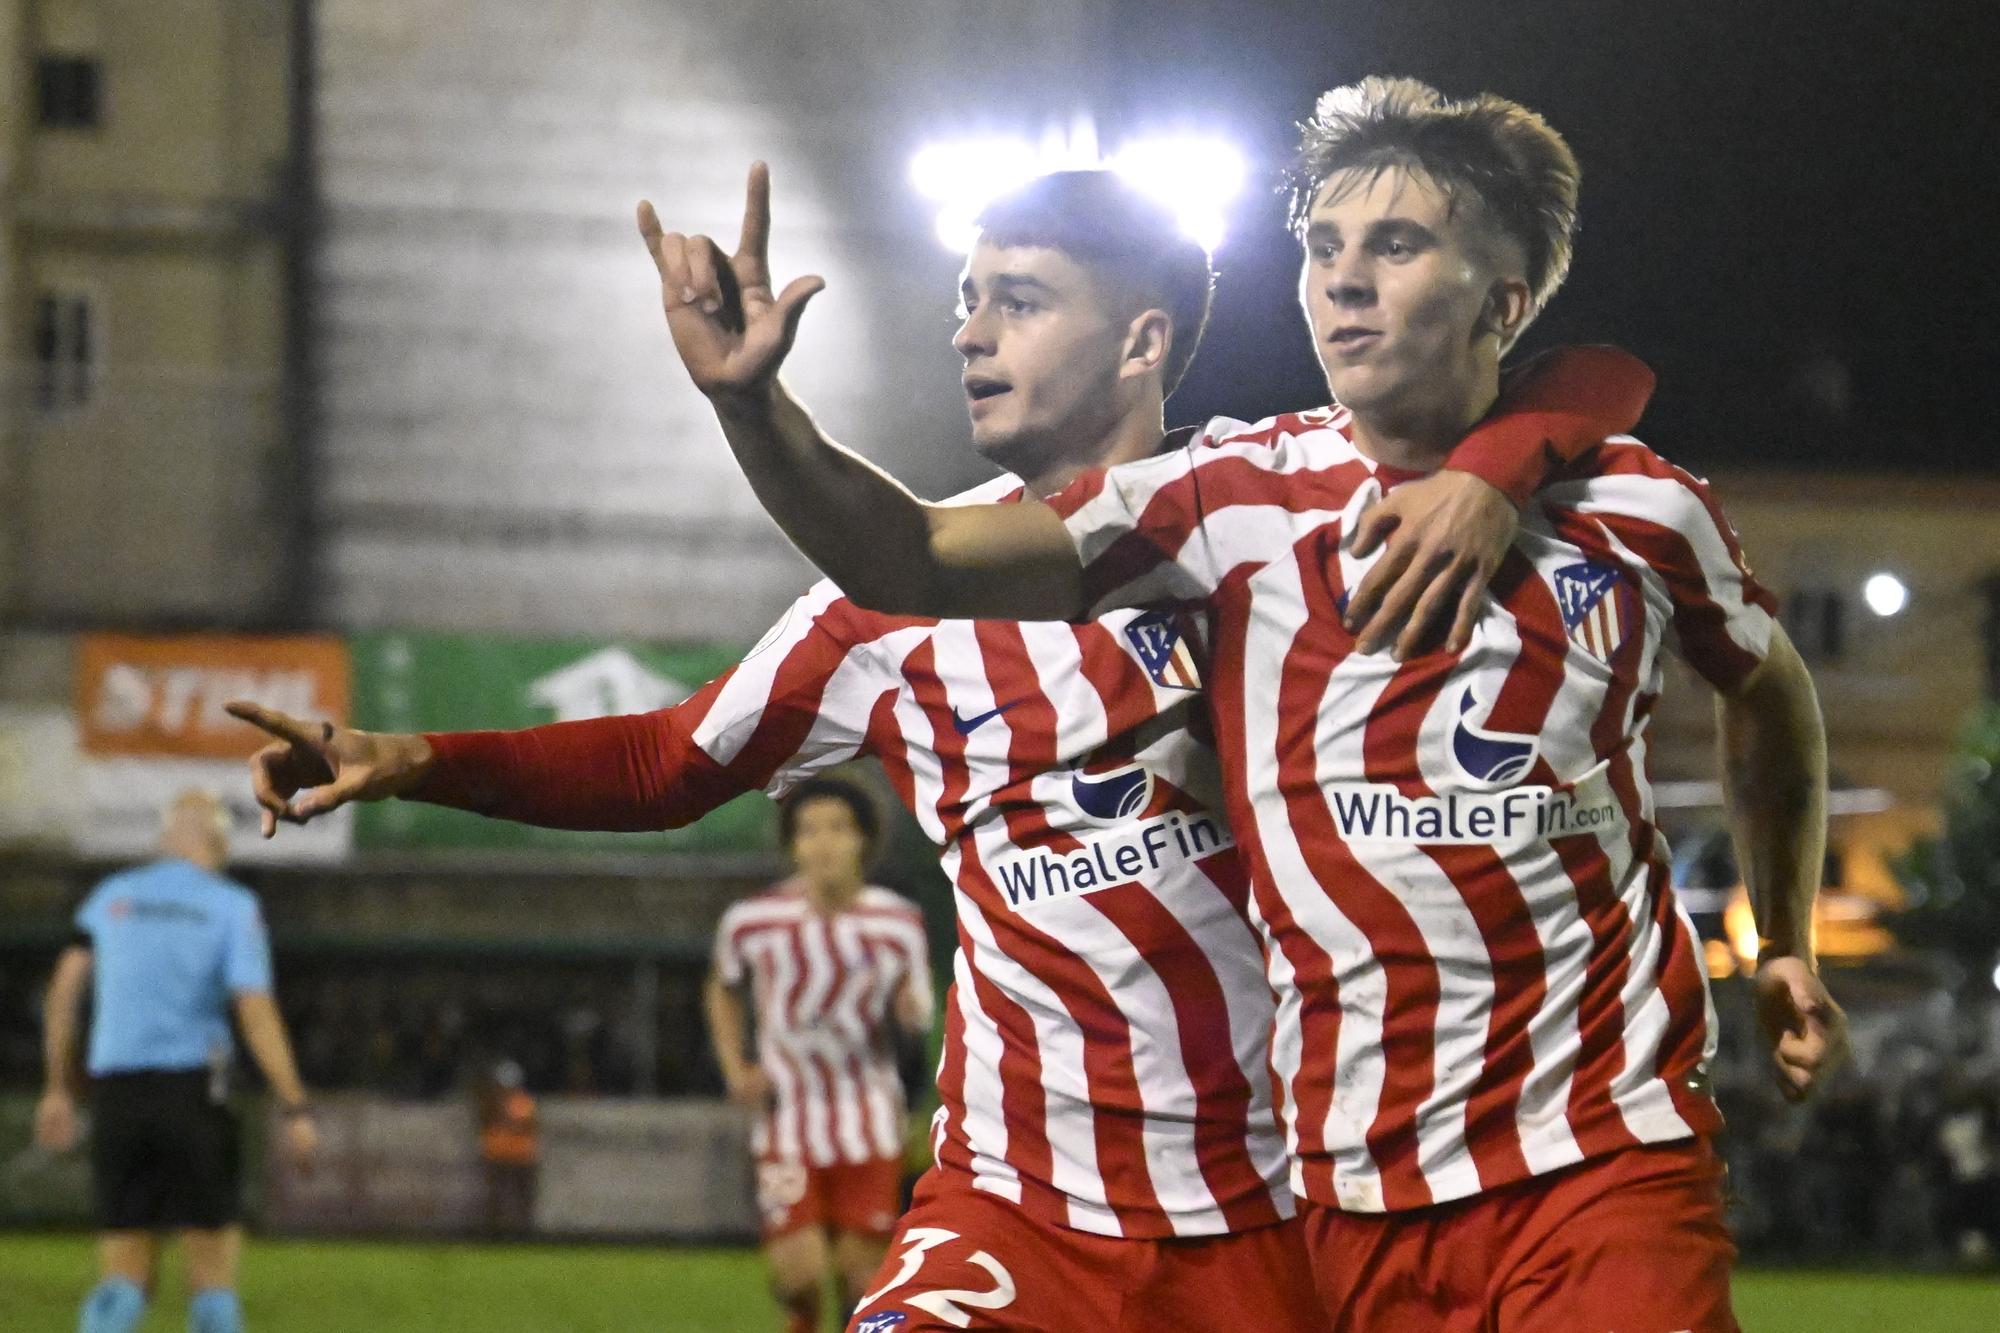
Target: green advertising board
[{"x": 458, "y": 682}]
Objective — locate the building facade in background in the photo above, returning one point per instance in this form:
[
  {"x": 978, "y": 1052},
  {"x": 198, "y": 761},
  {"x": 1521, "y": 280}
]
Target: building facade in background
[
  {"x": 146, "y": 225},
  {"x": 1884, "y": 584},
  {"x": 510, "y": 445}
]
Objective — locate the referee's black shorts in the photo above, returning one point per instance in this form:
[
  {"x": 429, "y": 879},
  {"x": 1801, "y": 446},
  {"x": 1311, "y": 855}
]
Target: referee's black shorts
[{"x": 164, "y": 1152}]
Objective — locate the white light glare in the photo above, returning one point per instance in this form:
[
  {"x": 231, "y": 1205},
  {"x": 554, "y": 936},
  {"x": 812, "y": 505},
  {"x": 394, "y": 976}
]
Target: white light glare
[
  {"x": 1196, "y": 176},
  {"x": 1885, "y": 594},
  {"x": 1996, "y": 976}
]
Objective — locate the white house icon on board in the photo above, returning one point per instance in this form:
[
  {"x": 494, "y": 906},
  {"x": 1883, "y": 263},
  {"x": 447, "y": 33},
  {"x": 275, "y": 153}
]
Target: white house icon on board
[{"x": 606, "y": 683}]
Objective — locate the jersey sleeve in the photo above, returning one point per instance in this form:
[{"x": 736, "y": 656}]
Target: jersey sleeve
[
  {"x": 1140, "y": 529},
  {"x": 1552, "y": 410},
  {"x": 802, "y": 700},
  {"x": 246, "y": 961},
  {"x": 1720, "y": 618},
  {"x": 728, "y": 958},
  {"x": 797, "y": 703},
  {"x": 86, "y": 919}
]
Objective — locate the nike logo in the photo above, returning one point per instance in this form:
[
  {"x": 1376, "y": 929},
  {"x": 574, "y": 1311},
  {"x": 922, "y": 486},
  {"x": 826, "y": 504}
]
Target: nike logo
[{"x": 967, "y": 725}]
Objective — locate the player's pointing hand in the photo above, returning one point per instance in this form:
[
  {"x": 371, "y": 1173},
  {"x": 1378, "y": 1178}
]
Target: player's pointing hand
[
  {"x": 731, "y": 331},
  {"x": 313, "y": 767}
]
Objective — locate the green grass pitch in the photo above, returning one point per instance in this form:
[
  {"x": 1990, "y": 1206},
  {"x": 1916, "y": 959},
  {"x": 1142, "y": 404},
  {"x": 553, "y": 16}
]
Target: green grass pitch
[{"x": 349, "y": 1287}]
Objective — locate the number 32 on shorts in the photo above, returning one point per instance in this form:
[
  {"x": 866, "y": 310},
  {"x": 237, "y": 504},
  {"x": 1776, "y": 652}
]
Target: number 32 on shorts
[{"x": 950, "y": 1306}]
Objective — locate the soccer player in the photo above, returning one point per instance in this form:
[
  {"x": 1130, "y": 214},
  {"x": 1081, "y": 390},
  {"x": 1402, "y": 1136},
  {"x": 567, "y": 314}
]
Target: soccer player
[
  {"x": 1106, "y": 1150},
  {"x": 169, "y": 951},
  {"x": 1494, "y": 1026},
  {"x": 836, "y": 966}
]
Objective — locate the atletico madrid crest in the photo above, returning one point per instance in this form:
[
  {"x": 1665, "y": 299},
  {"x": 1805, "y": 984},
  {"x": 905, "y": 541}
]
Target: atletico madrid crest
[
  {"x": 1164, "y": 651},
  {"x": 1596, "y": 607}
]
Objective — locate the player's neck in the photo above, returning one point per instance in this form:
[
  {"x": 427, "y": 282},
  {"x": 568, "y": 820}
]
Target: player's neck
[
  {"x": 1136, "y": 435},
  {"x": 203, "y": 856},
  {"x": 831, "y": 899},
  {"x": 1419, "y": 436}
]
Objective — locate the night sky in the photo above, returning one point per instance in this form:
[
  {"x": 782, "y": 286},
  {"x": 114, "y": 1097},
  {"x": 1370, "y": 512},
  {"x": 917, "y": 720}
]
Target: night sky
[{"x": 1785, "y": 206}]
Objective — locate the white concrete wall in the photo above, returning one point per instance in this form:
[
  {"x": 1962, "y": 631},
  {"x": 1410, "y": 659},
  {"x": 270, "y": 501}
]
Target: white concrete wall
[{"x": 509, "y": 444}]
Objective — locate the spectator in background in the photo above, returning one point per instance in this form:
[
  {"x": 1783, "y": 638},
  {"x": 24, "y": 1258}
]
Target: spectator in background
[
  {"x": 170, "y": 949},
  {"x": 1968, "y": 1141},
  {"x": 510, "y": 1150}
]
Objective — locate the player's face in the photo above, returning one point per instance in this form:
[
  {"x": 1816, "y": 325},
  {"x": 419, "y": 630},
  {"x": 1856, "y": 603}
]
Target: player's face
[
  {"x": 1043, "y": 342},
  {"x": 828, "y": 846},
  {"x": 1402, "y": 290}
]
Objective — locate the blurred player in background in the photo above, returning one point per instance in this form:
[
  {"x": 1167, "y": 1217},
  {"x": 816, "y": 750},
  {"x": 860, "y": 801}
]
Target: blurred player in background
[
  {"x": 1107, "y": 1151},
  {"x": 1494, "y": 1027},
  {"x": 835, "y": 967},
  {"x": 169, "y": 951},
  {"x": 510, "y": 1150}
]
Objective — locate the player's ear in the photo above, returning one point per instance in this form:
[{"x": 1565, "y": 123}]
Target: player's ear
[
  {"x": 1148, "y": 339},
  {"x": 1509, "y": 304}
]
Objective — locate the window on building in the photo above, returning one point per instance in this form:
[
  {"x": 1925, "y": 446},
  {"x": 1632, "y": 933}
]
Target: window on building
[
  {"x": 67, "y": 92},
  {"x": 65, "y": 345},
  {"x": 1816, "y": 620}
]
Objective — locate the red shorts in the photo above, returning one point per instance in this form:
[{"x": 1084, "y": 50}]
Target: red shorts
[
  {"x": 859, "y": 1197},
  {"x": 1633, "y": 1242},
  {"x": 964, "y": 1259}
]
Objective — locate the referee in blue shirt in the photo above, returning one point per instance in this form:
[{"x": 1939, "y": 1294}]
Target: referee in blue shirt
[{"x": 169, "y": 949}]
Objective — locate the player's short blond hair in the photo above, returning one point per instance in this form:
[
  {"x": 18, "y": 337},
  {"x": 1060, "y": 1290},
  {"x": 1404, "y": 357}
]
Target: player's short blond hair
[{"x": 1506, "y": 158}]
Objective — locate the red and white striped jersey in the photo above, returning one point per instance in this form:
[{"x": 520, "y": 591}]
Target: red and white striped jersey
[
  {"x": 1106, "y": 1045},
  {"x": 825, "y": 987},
  {"x": 1483, "y": 972}
]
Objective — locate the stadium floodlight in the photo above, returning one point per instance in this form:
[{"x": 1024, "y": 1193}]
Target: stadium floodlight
[
  {"x": 1885, "y": 594},
  {"x": 960, "y": 178},
  {"x": 1198, "y": 177}
]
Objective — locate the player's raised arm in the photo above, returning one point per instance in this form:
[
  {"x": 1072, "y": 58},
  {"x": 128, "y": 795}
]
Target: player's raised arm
[{"x": 886, "y": 549}]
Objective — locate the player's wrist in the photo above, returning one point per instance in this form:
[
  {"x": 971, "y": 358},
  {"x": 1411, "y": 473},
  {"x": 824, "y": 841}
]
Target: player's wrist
[
  {"x": 1514, "y": 468},
  {"x": 754, "y": 401},
  {"x": 411, "y": 758},
  {"x": 1770, "y": 951}
]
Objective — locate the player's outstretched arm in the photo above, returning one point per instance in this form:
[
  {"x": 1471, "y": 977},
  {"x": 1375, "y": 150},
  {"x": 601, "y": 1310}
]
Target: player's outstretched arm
[
  {"x": 1447, "y": 534},
  {"x": 886, "y": 549},
  {"x": 1774, "y": 784},
  {"x": 634, "y": 773}
]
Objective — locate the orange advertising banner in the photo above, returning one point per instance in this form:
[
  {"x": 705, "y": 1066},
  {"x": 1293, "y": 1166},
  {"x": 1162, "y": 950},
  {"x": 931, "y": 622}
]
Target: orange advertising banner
[{"x": 141, "y": 695}]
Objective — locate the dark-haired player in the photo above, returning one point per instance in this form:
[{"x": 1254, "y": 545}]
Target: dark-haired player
[
  {"x": 833, "y": 965},
  {"x": 1107, "y": 1151},
  {"x": 1494, "y": 1025}
]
